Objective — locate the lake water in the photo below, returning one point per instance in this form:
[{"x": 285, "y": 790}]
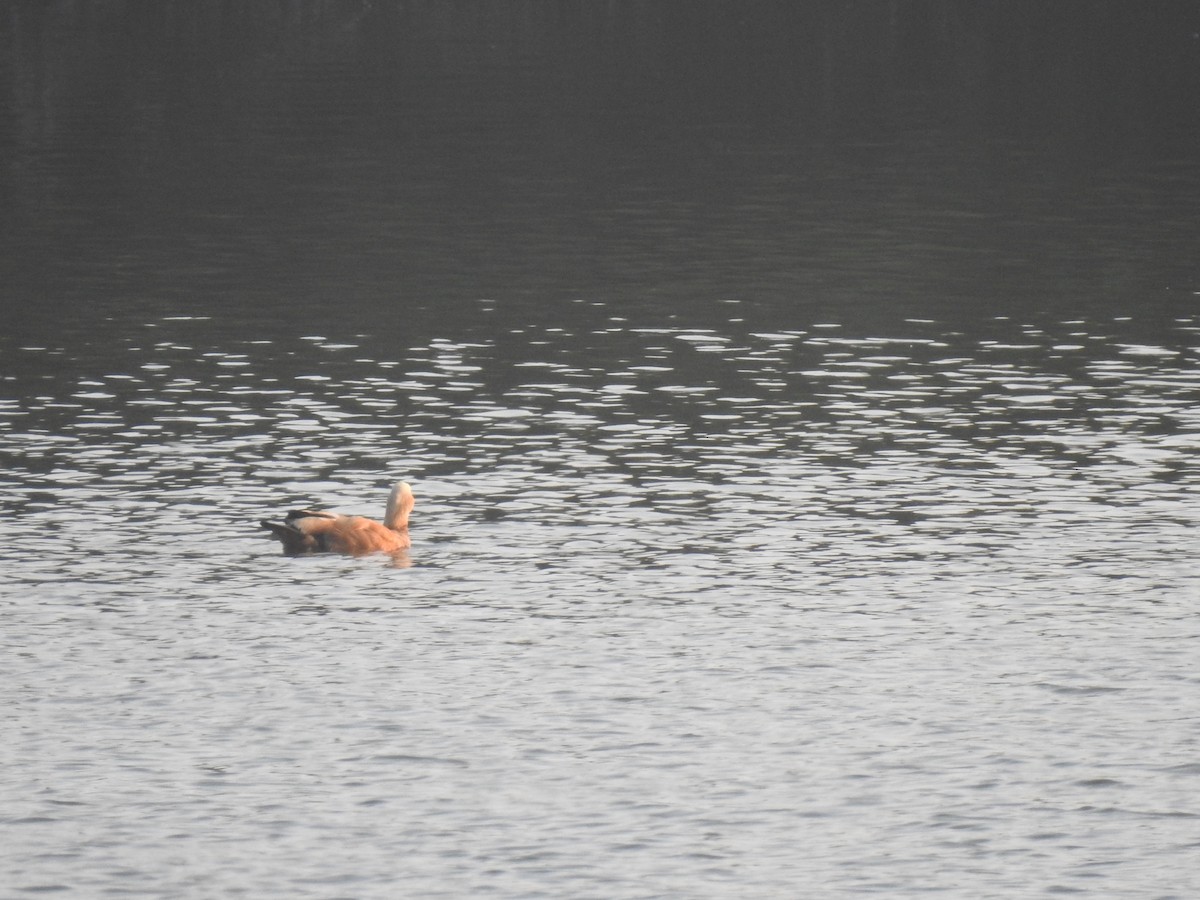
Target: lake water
[{"x": 794, "y": 518}]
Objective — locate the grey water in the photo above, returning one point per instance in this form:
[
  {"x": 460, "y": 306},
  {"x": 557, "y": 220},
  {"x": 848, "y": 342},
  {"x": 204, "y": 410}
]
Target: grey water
[{"x": 799, "y": 514}]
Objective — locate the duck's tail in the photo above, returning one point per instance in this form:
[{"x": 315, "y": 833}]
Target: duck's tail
[{"x": 293, "y": 539}]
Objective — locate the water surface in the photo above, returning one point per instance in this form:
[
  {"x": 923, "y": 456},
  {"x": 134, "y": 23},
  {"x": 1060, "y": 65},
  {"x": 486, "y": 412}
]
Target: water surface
[{"x": 797, "y": 516}]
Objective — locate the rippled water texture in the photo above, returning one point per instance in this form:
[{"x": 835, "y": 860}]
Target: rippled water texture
[
  {"x": 803, "y": 510},
  {"x": 691, "y": 610}
]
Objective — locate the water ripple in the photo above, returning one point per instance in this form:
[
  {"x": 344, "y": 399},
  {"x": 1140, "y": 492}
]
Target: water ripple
[{"x": 935, "y": 580}]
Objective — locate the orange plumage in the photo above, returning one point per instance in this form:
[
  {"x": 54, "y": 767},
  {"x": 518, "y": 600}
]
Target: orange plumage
[{"x": 318, "y": 531}]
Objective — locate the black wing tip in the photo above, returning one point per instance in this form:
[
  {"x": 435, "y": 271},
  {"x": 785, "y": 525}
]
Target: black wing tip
[{"x": 295, "y": 542}]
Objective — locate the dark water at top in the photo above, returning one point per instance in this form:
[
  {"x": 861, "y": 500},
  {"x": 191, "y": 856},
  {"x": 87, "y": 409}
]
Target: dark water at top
[
  {"x": 801, "y": 407},
  {"x": 399, "y": 163}
]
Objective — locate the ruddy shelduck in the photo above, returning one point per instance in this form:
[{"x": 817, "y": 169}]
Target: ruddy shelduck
[{"x": 318, "y": 531}]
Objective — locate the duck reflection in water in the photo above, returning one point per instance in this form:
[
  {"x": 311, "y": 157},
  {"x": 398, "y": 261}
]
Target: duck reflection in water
[{"x": 304, "y": 531}]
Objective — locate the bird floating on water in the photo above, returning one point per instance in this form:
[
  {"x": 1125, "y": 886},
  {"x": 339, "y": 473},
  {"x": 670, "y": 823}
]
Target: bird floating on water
[{"x": 319, "y": 531}]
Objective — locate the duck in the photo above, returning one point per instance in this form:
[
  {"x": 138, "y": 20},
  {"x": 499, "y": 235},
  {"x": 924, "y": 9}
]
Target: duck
[{"x": 305, "y": 531}]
